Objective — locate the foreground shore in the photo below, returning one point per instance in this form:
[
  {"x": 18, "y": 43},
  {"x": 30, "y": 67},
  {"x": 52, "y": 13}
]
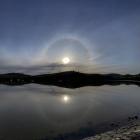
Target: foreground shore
[{"x": 131, "y": 131}]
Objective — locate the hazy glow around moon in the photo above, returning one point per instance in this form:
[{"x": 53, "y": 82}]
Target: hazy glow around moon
[
  {"x": 66, "y": 60},
  {"x": 60, "y": 50}
]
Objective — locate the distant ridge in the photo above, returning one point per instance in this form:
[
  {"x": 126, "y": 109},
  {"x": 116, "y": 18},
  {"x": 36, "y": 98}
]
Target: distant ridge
[{"x": 70, "y": 79}]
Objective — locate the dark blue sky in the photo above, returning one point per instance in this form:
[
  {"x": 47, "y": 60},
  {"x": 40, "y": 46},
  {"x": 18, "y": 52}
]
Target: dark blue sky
[{"x": 101, "y": 33}]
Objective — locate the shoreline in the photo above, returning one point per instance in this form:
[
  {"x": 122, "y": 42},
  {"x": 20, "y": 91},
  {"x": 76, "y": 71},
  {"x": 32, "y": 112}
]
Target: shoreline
[
  {"x": 130, "y": 131},
  {"x": 70, "y": 79}
]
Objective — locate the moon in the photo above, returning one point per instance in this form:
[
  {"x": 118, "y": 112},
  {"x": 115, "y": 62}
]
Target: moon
[
  {"x": 66, "y": 60},
  {"x": 67, "y": 50},
  {"x": 65, "y": 98}
]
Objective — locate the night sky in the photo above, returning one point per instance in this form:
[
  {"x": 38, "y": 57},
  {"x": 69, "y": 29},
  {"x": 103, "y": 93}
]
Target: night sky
[{"x": 101, "y": 34}]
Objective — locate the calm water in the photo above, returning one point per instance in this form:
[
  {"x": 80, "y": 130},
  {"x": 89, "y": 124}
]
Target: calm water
[{"x": 36, "y": 112}]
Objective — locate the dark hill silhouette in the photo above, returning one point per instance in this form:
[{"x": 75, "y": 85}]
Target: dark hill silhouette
[{"x": 70, "y": 79}]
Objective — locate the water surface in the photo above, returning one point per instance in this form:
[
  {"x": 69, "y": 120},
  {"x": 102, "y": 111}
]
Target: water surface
[{"x": 37, "y": 112}]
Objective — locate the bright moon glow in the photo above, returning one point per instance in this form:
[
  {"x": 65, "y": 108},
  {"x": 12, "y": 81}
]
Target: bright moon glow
[
  {"x": 65, "y": 98},
  {"x": 66, "y": 60}
]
